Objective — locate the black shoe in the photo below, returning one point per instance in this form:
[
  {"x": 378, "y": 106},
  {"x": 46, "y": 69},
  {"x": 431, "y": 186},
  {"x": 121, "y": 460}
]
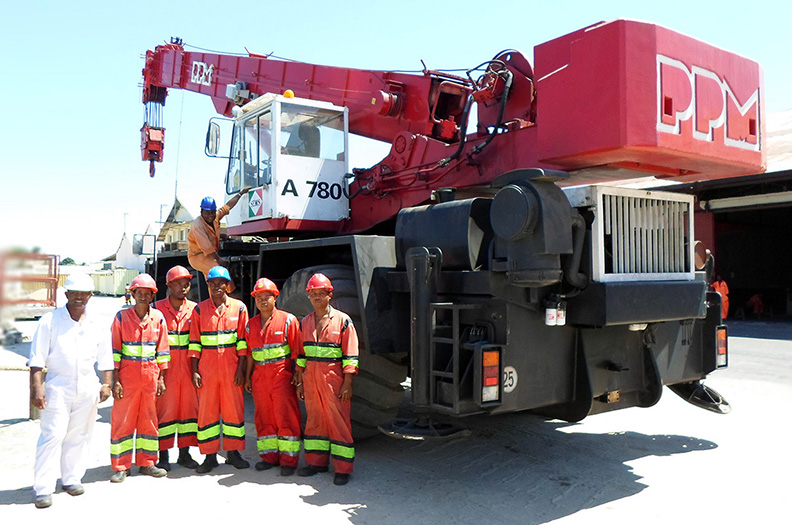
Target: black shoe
[
  {"x": 310, "y": 470},
  {"x": 42, "y": 502},
  {"x": 185, "y": 460},
  {"x": 235, "y": 460},
  {"x": 164, "y": 461},
  {"x": 210, "y": 462},
  {"x": 340, "y": 479},
  {"x": 74, "y": 490},
  {"x": 154, "y": 472},
  {"x": 287, "y": 471},
  {"x": 263, "y": 465}
]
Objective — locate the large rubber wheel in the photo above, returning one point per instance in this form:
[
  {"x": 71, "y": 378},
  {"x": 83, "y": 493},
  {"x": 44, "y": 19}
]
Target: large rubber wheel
[{"x": 377, "y": 388}]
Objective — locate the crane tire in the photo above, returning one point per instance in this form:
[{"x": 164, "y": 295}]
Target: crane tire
[{"x": 377, "y": 389}]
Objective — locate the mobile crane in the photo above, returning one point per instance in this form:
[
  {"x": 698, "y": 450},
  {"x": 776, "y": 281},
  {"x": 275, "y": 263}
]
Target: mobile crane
[{"x": 489, "y": 267}]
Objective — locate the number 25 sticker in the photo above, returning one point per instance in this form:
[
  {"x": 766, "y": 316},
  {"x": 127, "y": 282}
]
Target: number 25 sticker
[{"x": 509, "y": 379}]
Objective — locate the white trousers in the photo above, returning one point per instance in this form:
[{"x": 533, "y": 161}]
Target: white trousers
[{"x": 67, "y": 423}]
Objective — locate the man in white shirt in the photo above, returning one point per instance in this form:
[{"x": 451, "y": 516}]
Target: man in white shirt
[{"x": 68, "y": 343}]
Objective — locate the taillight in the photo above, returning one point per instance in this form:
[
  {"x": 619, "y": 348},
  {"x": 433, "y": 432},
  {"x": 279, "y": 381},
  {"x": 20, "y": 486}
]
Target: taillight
[
  {"x": 490, "y": 375},
  {"x": 722, "y": 348}
]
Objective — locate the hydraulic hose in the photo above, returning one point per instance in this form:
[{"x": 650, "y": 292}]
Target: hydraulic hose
[
  {"x": 572, "y": 273},
  {"x": 504, "y": 97}
]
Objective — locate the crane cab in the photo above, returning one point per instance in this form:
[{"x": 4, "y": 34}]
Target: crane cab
[{"x": 292, "y": 154}]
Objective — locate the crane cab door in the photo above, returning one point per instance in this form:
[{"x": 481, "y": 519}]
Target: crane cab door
[{"x": 292, "y": 153}]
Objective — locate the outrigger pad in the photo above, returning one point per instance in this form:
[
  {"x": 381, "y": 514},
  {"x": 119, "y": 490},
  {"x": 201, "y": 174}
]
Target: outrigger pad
[
  {"x": 697, "y": 393},
  {"x": 421, "y": 429}
]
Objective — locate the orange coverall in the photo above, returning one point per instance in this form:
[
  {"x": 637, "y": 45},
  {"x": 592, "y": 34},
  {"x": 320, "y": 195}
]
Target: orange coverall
[
  {"x": 326, "y": 357},
  {"x": 177, "y": 408},
  {"x": 203, "y": 241},
  {"x": 140, "y": 351},
  {"x": 217, "y": 338},
  {"x": 273, "y": 348},
  {"x": 723, "y": 289}
]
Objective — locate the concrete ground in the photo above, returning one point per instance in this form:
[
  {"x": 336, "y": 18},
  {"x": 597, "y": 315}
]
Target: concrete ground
[{"x": 672, "y": 463}]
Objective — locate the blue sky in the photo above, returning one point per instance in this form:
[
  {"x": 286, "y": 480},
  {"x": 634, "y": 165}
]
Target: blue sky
[{"x": 71, "y": 169}]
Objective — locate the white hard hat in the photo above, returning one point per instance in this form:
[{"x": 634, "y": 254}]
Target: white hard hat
[{"x": 79, "y": 282}]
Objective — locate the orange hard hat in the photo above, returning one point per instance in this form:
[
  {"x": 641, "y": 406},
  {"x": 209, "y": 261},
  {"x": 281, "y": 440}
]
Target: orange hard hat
[
  {"x": 264, "y": 285},
  {"x": 143, "y": 280},
  {"x": 319, "y": 280},
  {"x": 177, "y": 272}
]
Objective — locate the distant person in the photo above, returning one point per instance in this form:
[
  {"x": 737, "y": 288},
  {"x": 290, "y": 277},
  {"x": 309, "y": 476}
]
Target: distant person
[
  {"x": 274, "y": 342},
  {"x": 323, "y": 376},
  {"x": 141, "y": 354},
  {"x": 204, "y": 237},
  {"x": 127, "y": 296},
  {"x": 722, "y": 288},
  {"x": 68, "y": 343},
  {"x": 218, "y": 351},
  {"x": 756, "y": 304},
  {"x": 177, "y": 408}
]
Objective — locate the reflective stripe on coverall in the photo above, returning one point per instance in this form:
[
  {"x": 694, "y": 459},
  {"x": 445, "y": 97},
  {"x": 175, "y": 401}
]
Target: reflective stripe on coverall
[
  {"x": 217, "y": 338},
  {"x": 177, "y": 408},
  {"x": 68, "y": 350},
  {"x": 326, "y": 357},
  {"x": 140, "y": 351},
  {"x": 277, "y": 414}
]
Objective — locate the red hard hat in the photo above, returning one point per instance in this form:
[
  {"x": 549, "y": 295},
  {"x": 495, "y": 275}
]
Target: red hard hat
[
  {"x": 264, "y": 285},
  {"x": 143, "y": 280},
  {"x": 319, "y": 280},
  {"x": 177, "y": 272}
]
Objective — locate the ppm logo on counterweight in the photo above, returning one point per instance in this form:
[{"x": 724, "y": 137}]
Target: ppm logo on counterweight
[{"x": 703, "y": 105}]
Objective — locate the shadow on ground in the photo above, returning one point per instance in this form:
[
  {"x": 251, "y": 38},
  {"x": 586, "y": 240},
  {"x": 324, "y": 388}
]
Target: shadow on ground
[
  {"x": 522, "y": 467},
  {"x": 518, "y": 467},
  {"x": 760, "y": 329}
]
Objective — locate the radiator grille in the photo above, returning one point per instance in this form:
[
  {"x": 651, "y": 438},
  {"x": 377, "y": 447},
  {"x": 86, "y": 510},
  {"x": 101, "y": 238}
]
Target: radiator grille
[{"x": 645, "y": 235}]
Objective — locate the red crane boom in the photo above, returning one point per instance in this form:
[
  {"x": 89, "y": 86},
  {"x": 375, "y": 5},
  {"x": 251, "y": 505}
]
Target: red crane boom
[{"x": 611, "y": 101}]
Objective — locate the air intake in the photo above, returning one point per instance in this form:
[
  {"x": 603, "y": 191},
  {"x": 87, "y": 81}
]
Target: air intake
[{"x": 638, "y": 234}]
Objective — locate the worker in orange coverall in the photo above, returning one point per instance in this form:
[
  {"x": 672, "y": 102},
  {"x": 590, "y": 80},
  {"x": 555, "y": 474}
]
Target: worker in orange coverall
[
  {"x": 274, "y": 340},
  {"x": 324, "y": 380},
  {"x": 218, "y": 361},
  {"x": 141, "y": 354},
  {"x": 177, "y": 408},
  {"x": 203, "y": 240},
  {"x": 722, "y": 288}
]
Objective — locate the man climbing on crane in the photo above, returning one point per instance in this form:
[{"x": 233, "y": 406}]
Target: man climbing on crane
[{"x": 204, "y": 237}]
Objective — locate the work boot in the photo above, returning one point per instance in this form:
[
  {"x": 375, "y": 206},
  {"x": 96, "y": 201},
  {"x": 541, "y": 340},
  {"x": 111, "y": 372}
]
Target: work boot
[
  {"x": 286, "y": 470},
  {"x": 340, "y": 479},
  {"x": 310, "y": 470},
  {"x": 118, "y": 477},
  {"x": 154, "y": 472},
  {"x": 42, "y": 502},
  {"x": 210, "y": 462},
  {"x": 164, "y": 461},
  {"x": 263, "y": 465},
  {"x": 74, "y": 490},
  {"x": 236, "y": 460},
  {"x": 185, "y": 460}
]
